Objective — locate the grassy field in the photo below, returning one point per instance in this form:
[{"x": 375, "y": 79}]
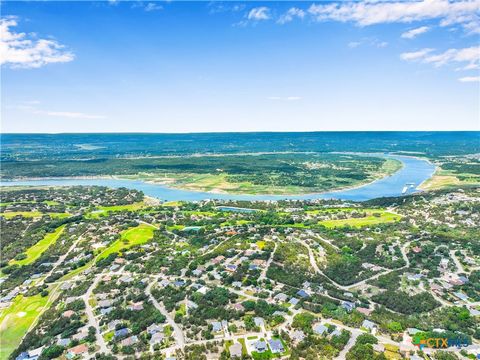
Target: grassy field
[
  {"x": 172, "y": 203},
  {"x": 442, "y": 179},
  {"x": 25, "y": 214},
  {"x": 134, "y": 236},
  {"x": 32, "y": 214},
  {"x": 17, "y": 319},
  {"x": 47, "y": 202},
  {"x": 439, "y": 182},
  {"x": 106, "y": 210},
  {"x": 261, "y": 244},
  {"x": 370, "y": 219},
  {"x": 34, "y": 252}
]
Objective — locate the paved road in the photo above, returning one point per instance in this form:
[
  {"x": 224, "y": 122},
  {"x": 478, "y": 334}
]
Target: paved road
[
  {"x": 313, "y": 263},
  {"x": 178, "y": 333},
  {"x": 343, "y": 354},
  {"x": 457, "y": 262},
  {"x": 263, "y": 275},
  {"x": 92, "y": 321}
]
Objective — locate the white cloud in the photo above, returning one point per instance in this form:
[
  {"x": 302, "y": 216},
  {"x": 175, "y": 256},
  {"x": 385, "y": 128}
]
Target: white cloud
[
  {"x": 20, "y": 50},
  {"x": 413, "y": 33},
  {"x": 470, "y": 57},
  {"x": 152, "y": 7},
  {"x": 378, "y": 12},
  {"x": 290, "y": 15},
  {"x": 368, "y": 41},
  {"x": 470, "y": 79},
  {"x": 415, "y": 55},
  {"x": 71, "y": 115},
  {"x": 221, "y": 7},
  {"x": 259, "y": 13}
]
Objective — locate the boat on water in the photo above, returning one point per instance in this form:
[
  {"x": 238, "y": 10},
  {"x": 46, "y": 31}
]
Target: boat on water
[{"x": 407, "y": 186}]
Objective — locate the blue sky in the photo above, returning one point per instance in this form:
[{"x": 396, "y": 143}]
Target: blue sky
[{"x": 235, "y": 66}]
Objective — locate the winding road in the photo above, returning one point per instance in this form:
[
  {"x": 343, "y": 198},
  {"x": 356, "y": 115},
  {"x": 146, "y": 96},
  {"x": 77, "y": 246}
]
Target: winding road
[
  {"x": 92, "y": 321},
  {"x": 179, "y": 336}
]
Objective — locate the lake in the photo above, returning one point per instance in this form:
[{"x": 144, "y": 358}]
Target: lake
[{"x": 414, "y": 171}]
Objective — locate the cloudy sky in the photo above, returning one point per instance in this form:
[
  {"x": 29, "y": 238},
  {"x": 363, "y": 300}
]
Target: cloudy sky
[{"x": 240, "y": 66}]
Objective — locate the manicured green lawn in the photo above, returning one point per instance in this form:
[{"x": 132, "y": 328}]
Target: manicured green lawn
[
  {"x": 175, "y": 227},
  {"x": 32, "y": 214},
  {"x": 172, "y": 203},
  {"x": 26, "y": 214},
  {"x": 244, "y": 346},
  {"x": 261, "y": 244},
  {"x": 51, "y": 203},
  {"x": 105, "y": 210},
  {"x": 34, "y": 252},
  {"x": 134, "y": 236},
  {"x": 370, "y": 219},
  {"x": 16, "y": 320}
]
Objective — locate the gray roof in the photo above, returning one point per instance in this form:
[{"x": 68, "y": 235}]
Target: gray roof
[
  {"x": 217, "y": 326},
  {"x": 276, "y": 346},
  {"x": 260, "y": 346},
  {"x": 368, "y": 324},
  {"x": 320, "y": 329},
  {"x": 294, "y": 301},
  {"x": 236, "y": 350}
]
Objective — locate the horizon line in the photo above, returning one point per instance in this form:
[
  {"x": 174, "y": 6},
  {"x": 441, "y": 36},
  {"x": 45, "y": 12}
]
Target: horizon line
[{"x": 237, "y": 132}]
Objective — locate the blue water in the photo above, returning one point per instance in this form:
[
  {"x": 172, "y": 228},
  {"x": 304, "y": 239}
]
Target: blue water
[
  {"x": 414, "y": 171},
  {"x": 235, "y": 209}
]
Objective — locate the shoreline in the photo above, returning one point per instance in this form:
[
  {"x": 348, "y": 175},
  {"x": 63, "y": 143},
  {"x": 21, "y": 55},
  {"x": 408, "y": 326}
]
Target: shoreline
[
  {"x": 335, "y": 190},
  {"x": 213, "y": 192}
]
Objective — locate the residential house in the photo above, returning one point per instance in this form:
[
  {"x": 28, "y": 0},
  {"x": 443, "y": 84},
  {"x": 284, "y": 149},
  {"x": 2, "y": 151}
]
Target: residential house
[
  {"x": 235, "y": 351},
  {"x": 77, "y": 350},
  {"x": 461, "y": 295},
  {"x": 216, "y": 326},
  {"x": 260, "y": 346},
  {"x": 364, "y": 311},
  {"x": 276, "y": 346},
  {"x": 63, "y": 342},
  {"x": 157, "y": 338},
  {"x": 136, "y": 306},
  {"x": 369, "y": 325},
  {"x": 348, "y": 306},
  {"x": 154, "y": 328},
  {"x": 105, "y": 303},
  {"x": 320, "y": 329},
  {"x": 237, "y": 284},
  {"x": 297, "y": 336},
  {"x": 191, "y": 305},
  {"x": 121, "y": 332},
  {"x": 106, "y": 311},
  {"x": 68, "y": 313},
  {"x": 259, "y": 321},
  {"x": 281, "y": 297},
  {"x": 302, "y": 293},
  {"x": 132, "y": 340},
  {"x": 294, "y": 301}
]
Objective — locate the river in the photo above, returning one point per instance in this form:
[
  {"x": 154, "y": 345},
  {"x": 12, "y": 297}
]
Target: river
[{"x": 414, "y": 171}]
